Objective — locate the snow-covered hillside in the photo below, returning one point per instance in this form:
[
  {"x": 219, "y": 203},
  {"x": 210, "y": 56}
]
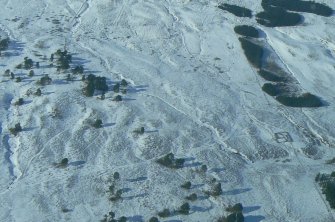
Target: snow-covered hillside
[{"x": 193, "y": 90}]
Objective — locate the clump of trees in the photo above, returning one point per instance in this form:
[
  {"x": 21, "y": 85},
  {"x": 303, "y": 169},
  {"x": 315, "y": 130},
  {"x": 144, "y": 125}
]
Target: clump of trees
[
  {"x": 94, "y": 83},
  {"x": 170, "y": 161},
  {"x": 63, "y": 59}
]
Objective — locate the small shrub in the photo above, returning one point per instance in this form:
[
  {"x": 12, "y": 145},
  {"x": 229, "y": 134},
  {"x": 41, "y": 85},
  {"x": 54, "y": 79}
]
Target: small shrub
[
  {"x": 179, "y": 163},
  {"x": 124, "y": 91},
  {"x": 116, "y": 88},
  {"x": 18, "y": 79},
  {"x": 45, "y": 80},
  {"x": 78, "y": 70},
  {"x": 31, "y": 73},
  {"x": 66, "y": 210},
  {"x": 235, "y": 209},
  {"x": 117, "y": 98},
  {"x": 184, "y": 209},
  {"x": 192, "y": 197},
  {"x": 7, "y": 72},
  {"x": 166, "y": 160},
  {"x": 116, "y": 176},
  {"x": 116, "y": 196},
  {"x": 124, "y": 83},
  {"x": 69, "y": 77},
  {"x": 19, "y": 102},
  {"x": 38, "y": 92},
  {"x": 235, "y": 217},
  {"x": 217, "y": 190},
  {"x": 164, "y": 213},
  {"x": 203, "y": 168},
  {"x": 28, "y": 63},
  {"x": 187, "y": 185},
  {"x": 63, "y": 163},
  {"x": 17, "y": 128},
  {"x": 97, "y": 123},
  {"x": 111, "y": 214},
  {"x": 102, "y": 97}
]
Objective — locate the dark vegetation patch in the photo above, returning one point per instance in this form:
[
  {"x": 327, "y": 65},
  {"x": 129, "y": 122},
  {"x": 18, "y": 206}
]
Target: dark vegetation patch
[
  {"x": 271, "y": 76},
  {"x": 276, "y": 89},
  {"x": 277, "y": 17},
  {"x": 302, "y": 6},
  {"x": 304, "y": 100},
  {"x": 327, "y": 184},
  {"x": 247, "y": 30},
  {"x": 254, "y": 52},
  {"x": 236, "y": 10}
]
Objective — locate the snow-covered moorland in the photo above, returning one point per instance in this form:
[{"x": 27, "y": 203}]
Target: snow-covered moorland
[{"x": 179, "y": 81}]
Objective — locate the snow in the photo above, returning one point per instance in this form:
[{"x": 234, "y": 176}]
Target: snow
[{"x": 190, "y": 87}]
